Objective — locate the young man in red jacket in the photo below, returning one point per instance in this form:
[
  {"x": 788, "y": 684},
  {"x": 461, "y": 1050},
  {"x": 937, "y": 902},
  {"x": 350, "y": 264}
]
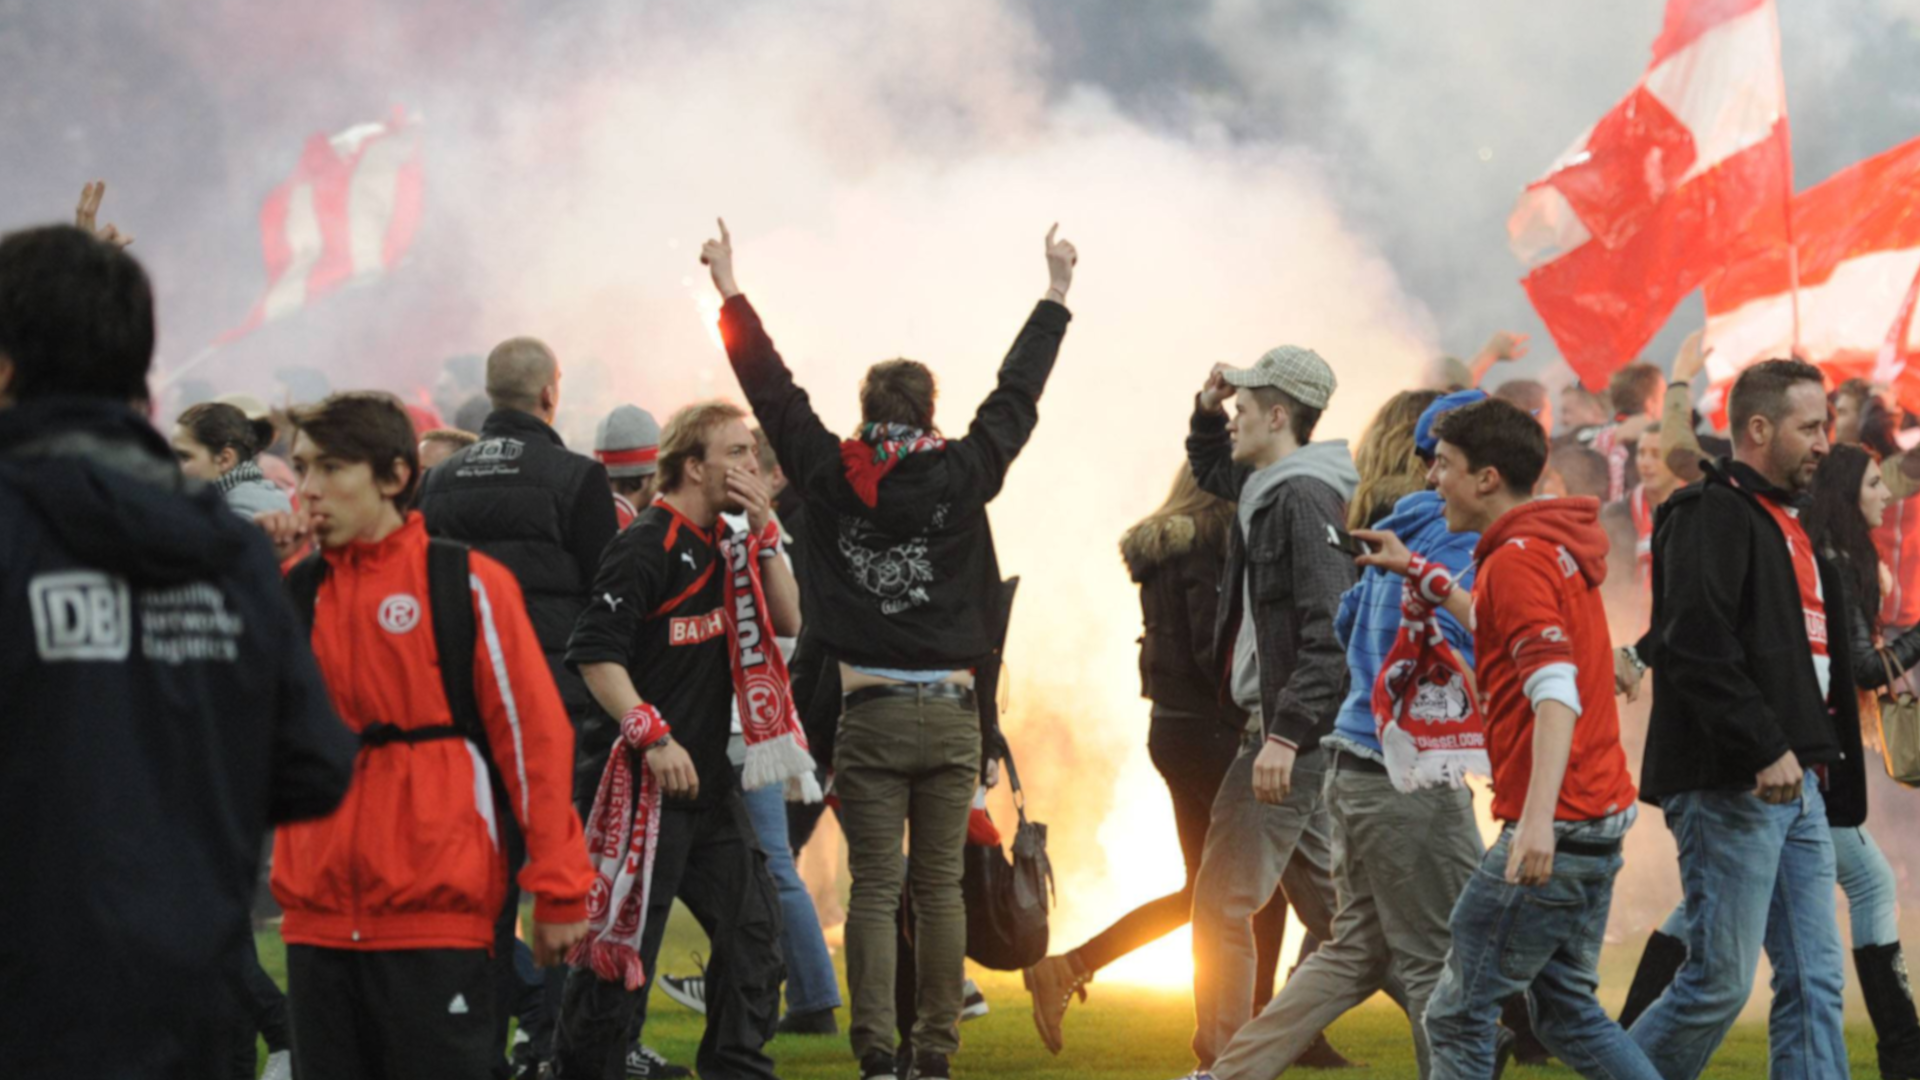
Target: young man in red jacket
[
  {"x": 1531, "y": 920},
  {"x": 390, "y": 902}
]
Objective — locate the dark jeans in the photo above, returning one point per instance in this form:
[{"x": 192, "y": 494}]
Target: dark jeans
[
  {"x": 423, "y": 1014},
  {"x": 1192, "y": 754},
  {"x": 706, "y": 857}
]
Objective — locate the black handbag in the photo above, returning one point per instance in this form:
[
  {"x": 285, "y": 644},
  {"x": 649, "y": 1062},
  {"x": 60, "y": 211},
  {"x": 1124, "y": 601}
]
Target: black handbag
[{"x": 1007, "y": 900}]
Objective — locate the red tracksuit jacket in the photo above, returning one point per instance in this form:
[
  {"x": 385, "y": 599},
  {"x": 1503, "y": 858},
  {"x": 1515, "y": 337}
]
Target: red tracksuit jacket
[{"x": 412, "y": 857}]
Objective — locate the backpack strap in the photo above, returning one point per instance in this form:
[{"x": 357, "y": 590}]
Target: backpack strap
[
  {"x": 455, "y": 636},
  {"x": 303, "y": 587},
  {"x": 450, "y": 598}
]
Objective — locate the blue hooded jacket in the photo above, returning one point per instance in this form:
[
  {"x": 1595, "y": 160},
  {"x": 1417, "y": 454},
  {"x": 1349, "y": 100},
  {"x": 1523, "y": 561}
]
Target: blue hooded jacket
[{"x": 1369, "y": 616}]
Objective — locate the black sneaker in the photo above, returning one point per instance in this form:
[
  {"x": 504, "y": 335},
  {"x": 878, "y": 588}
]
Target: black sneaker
[
  {"x": 690, "y": 990},
  {"x": 930, "y": 1066},
  {"x": 644, "y": 1063},
  {"x": 817, "y": 1022},
  {"x": 878, "y": 1065}
]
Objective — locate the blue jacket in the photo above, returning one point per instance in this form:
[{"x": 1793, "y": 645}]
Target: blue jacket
[{"x": 1369, "y": 616}]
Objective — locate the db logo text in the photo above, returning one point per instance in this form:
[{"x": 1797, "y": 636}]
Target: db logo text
[{"x": 81, "y": 615}]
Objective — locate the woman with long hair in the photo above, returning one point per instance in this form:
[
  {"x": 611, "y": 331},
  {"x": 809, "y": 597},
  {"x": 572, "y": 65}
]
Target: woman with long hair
[
  {"x": 1176, "y": 555},
  {"x": 1389, "y": 468},
  {"x": 1850, "y": 500}
]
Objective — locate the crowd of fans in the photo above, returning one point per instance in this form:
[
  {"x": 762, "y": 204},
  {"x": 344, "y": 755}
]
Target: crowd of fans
[{"x": 455, "y": 664}]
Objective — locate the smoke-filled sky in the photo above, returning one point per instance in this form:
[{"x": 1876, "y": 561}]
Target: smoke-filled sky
[{"x": 1235, "y": 173}]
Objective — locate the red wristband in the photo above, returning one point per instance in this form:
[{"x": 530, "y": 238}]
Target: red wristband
[
  {"x": 1431, "y": 581},
  {"x": 643, "y": 726}
]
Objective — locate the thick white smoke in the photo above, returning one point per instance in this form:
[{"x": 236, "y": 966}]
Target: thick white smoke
[{"x": 888, "y": 174}]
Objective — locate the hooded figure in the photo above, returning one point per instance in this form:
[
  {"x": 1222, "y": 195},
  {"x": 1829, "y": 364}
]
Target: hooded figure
[{"x": 1538, "y": 620}]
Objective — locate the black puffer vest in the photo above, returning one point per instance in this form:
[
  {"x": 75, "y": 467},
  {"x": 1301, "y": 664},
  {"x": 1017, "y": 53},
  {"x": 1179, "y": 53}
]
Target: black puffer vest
[{"x": 511, "y": 495}]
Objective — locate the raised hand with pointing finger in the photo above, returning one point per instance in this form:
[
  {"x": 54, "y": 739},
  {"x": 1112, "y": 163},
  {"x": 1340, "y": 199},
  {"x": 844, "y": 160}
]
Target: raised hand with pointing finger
[
  {"x": 717, "y": 257},
  {"x": 1061, "y": 258}
]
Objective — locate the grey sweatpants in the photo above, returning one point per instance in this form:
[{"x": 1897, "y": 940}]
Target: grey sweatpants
[
  {"x": 1399, "y": 863},
  {"x": 1249, "y": 853}
]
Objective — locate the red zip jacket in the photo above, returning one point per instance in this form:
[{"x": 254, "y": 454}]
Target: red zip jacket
[
  {"x": 1536, "y": 603},
  {"x": 412, "y": 858}
]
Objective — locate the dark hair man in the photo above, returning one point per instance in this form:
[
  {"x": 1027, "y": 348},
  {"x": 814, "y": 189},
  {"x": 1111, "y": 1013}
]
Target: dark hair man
[
  {"x": 658, "y": 648},
  {"x": 163, "y": 708},
  {"x": 1752, "y": 700},
  {"x": 900, "y": 581},
  {"x": 1282, "y": 662},
  {"x": 391, "y": 903},
  {"x": 1532, "y": 919}
]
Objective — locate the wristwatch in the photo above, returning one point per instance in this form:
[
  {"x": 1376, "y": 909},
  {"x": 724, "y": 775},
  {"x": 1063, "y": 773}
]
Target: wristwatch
[{"x": 1633, "y": 657}]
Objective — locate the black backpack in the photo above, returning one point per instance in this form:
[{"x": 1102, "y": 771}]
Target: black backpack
[{"x": 450, "y": 600}]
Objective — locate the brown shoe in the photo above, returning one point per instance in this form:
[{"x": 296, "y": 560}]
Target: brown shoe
[{"x": 1052, "y": 982}]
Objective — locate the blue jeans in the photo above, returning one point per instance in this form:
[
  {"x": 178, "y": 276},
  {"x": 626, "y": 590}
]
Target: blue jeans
[
  {"x": 1873, "y": 895},
  {"x": 810, "y": 982},
  {"x": 1540, "y": 939},
  {"x": 1756, "y": 876}
]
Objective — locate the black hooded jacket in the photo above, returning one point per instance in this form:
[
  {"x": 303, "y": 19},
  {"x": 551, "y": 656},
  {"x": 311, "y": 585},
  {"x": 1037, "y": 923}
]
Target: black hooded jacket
[
  {"x": 1734, "y": 688},
  {"x": 161, "y": 711},
  {"x": 911, "y": 583}
]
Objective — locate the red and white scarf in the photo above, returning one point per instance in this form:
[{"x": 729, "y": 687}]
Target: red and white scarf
[
  {"x": 623, "y": 829},
  {"x": 869, "y": 458},
  {"x": 1426, "y": 703}
]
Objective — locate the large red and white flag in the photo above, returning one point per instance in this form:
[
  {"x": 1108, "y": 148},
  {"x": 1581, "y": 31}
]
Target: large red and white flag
[
  {"x": 1857, "y": 242},
  {"x": 1645, "y": 205},
  {"x": 348, "y": 212}
]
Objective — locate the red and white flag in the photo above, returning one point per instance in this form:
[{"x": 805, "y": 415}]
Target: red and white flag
[
  {"x": 348, "y": 212},
  {"x": 1856, "y": 238},
  {"x": 1646, "y": 204}
]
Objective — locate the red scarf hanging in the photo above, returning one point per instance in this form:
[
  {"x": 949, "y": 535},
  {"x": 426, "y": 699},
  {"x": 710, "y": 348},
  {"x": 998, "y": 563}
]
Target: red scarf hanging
[
  {"x": 1426, "y": 704},
  {"x": 869, "y": 458}
]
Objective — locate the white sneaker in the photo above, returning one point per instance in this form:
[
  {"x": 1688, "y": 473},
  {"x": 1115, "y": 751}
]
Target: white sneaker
[
  {"x": 279, "y": 1066},
  {"x": 974, "y": 1005},
  {"x": 690, "y": 991}
]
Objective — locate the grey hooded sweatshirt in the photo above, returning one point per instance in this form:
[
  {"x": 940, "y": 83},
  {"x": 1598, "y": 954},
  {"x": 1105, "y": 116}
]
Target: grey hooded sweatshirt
[{"x": 1283, "y": 582}]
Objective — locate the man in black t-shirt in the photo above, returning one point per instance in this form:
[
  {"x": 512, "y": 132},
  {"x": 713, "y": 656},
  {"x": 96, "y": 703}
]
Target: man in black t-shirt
[{"x": 655, "y": 631}]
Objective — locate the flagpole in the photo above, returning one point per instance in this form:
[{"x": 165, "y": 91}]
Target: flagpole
[{"x": 1786, "y": 134}]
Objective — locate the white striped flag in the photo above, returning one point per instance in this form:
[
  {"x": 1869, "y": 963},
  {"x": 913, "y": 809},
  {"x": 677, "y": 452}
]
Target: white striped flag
[
  {"x": 1856, "y": 242},
  {"x": 349, "y": 212},
  {"x": 1646, "y": 204}
]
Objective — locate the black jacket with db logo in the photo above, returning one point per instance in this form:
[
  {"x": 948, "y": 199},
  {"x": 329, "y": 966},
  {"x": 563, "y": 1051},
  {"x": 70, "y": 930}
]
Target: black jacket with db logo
[{"x": 162, "y": 709}]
